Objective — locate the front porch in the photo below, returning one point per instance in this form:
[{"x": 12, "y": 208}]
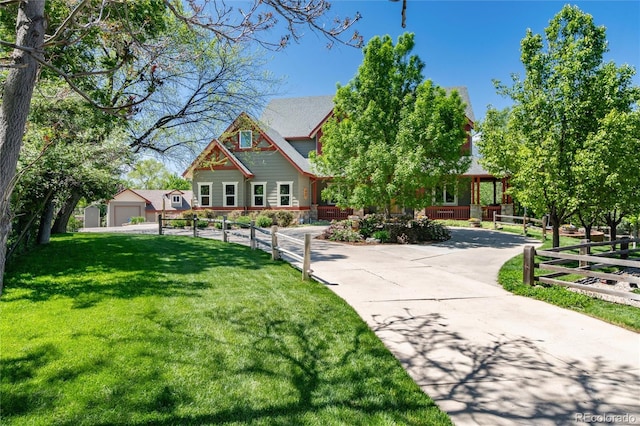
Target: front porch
[{"x": 459, "y": 212}]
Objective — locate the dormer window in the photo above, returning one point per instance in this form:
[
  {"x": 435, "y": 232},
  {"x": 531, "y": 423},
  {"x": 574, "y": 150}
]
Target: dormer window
[
  {"x": 245, "y": 139},
  {"x": 176, "y": 200}
]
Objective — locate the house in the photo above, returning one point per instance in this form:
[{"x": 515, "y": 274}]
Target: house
[
  {"x": 264, "y": 164},
  {"x": 147, "y": 203}
]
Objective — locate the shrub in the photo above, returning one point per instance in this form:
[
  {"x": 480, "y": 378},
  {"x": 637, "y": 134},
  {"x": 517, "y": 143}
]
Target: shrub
[
  {"x": 342, "y": 231},
  {"x": 137, "y": 219},
  {"x": 74, "y": 224},
  {"x": 201, "y": 224},
  {"x": 383, "y": 236},
  {"x": 370, "y": 224},
  {"x": 209, "y": 214},
  {"x": 264, "y": 221},
  {"x": 243, "y": 220},
  {"x": 179, "y": 223},
  {"x": 284, "y": 218}
]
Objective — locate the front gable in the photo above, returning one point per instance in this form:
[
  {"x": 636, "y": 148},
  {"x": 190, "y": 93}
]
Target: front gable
[{"x": 130, "y": 196}]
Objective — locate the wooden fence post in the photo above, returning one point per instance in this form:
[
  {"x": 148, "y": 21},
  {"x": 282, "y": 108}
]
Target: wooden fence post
[
  {"x": 306, "y": 264},
  {"x": 275, "y": 253},
  {"x": 524, "y": 225},
  {"x": 159, "y": 224},
  {"x": 224, "y": 229},
  {"x": 544, "y": 228},
  {"x": 495, "y": 224},
  {"x": 252, "y": 235},
  {"x": 624, "y": 246},
  {"x": 584, "y": 250},
  {"x": 528, "y": 265},
  {"x": 195, "y": 226}
]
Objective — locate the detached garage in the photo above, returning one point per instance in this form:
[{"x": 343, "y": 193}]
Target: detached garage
[{"x": 147, "y": 203}]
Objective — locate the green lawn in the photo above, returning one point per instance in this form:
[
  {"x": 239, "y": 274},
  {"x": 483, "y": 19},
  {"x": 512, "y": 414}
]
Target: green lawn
[{"x": 125, "y": 330}]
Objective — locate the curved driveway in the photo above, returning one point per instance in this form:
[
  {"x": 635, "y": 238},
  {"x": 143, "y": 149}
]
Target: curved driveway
[{"x": 485, "y": 356}]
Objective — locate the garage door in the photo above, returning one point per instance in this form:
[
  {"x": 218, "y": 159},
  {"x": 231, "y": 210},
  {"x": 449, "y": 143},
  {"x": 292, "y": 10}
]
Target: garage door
[{"x": 124, "y": 213}]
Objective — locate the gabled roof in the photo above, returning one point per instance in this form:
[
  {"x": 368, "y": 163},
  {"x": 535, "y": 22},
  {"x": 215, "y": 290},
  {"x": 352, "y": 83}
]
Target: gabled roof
[
  {"x": 295, "y": 158},
  {"x": 153, "y": 198},
  {"x": 215, "y": 144},
  {"x": 297, "y": 117},
  {"x": 464, "y": 94}
]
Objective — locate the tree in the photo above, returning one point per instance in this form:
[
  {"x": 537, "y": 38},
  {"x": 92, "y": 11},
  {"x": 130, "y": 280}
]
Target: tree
[
  {"x": 566, "y": 94},
  {"x": 392, "y": 136},
  {"x": 152, "y": 174},
  {"x": 606, "y": 178},
  {"x": 70, "y": 151},
  {"x": 104, "y": 50}
]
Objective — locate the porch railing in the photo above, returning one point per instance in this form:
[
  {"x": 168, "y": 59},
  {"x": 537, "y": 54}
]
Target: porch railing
[
  {"x": 448, "y": 212},
  {"x": 333, "y": 213}
]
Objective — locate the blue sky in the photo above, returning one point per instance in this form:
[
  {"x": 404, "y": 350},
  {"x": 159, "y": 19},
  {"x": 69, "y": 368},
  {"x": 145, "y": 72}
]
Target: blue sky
[{"x": 463, "y": 43}]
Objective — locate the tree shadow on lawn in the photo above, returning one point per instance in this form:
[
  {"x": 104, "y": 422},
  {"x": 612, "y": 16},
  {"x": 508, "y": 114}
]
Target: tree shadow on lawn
[
  {"x": 475, "y": 387},
  {"x": 91, "y": 267},
  {"x": 312, "y": 369}
]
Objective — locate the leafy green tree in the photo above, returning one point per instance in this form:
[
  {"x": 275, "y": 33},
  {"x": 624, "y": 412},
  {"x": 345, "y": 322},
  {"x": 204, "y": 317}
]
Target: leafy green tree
[
  {"x": 566, "y": 94},
  {"x": 152, "y": 174},
  {"x": 70, "y": 151},
  {"x": 106, "y": 51},
  {"x": 607, "y": 180},
  {"x": 392, "y": 136}
]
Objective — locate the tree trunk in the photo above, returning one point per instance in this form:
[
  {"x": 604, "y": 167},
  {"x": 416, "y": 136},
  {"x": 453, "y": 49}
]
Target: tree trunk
[
  {"x": 62, "y": 219},
  {"x": 17, "y": 93},
  {"x": 44, "y": 231},
  {"x": 555, "y": 224},
  {"x": 613, "y": 219}
]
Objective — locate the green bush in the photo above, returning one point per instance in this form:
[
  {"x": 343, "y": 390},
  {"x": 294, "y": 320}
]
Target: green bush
[
  {"x": 243, "y": 220},
  {"x": 403, "y": 230},
  {"x": 179, "y": 223},
  {"x": 383, "y": 236},
  {"x": 370, "y": 224},
  {"x": 284, "y": 218},
  {"x": 74, "y": 224},
  {"x": 342, "y": 231},
  {"x": 137, "y": 219},
  {"x": 202, "y": 224},
  {"x": 264, "y": 221}
]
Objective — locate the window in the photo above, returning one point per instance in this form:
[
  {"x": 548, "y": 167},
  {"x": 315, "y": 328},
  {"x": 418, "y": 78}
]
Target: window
[
  {"x": 230, "y": 191},
  {"x": 204, "y": 192},
  {"x": 176, "y": 200},
  {"x": 445, "y": 195},
  {"x": 246, "y": 141},
  {"x": 258, "y": 198},
  {"x": 284, "y": 194}
]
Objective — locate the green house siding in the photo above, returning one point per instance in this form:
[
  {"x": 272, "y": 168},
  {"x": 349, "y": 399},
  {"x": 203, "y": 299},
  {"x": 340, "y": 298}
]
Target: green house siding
[
  {"x": 267, "y": 166},
  {"x": 216, "y": 178}
]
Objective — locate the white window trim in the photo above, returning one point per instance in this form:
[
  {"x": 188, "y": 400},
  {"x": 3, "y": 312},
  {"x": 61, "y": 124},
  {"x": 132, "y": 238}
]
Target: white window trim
[
  {"x": 264, "y": 194},
  {"x": 235, "y": 194},
  {"x": 210, "y": 185},
  {"x": 290, "y": 193},
  {"x": 240, "y": 139},
  {"x": 176, "y": 199},
  {"x": 444, "y": 196}
]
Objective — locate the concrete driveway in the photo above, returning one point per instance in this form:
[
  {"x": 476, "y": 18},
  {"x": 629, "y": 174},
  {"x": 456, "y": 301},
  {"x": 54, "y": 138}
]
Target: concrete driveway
[{"x": 485, "y": 356}]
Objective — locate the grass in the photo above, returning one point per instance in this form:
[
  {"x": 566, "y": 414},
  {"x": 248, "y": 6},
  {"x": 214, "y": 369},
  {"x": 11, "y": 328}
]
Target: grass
[
  {"x": 132, "y": 330},
  {"x": 510, "y": 277}
]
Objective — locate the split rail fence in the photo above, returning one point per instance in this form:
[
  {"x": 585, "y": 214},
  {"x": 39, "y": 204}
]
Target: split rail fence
[
  {"x": 524, "y": 221},
  {"x": 585, "y": 264},
  {"x": 277, "y": 243}
]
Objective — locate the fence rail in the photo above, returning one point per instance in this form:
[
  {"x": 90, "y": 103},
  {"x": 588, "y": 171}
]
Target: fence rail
[
  {"x": 272, "y": 244},
  {"x": 525, "y": 222},
  {"x": 583, "y": 264}
]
